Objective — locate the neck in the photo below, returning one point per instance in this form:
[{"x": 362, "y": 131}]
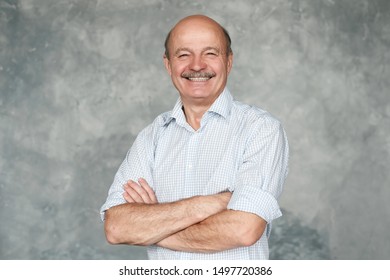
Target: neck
[
  {"x": 194, "y": 109},
  {"x": 194, "y": 115}
]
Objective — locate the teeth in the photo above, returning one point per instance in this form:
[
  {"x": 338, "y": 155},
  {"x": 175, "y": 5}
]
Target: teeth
[{"x": 199, "y": 79}]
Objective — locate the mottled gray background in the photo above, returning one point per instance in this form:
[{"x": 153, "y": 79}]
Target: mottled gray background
[{"x": 80, "y": 79}]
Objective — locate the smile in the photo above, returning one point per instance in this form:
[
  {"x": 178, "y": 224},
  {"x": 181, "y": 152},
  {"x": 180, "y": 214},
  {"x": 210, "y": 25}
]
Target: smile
[
  {"x": 204, "y": 79},
  {"x": 198, "y": 76}
]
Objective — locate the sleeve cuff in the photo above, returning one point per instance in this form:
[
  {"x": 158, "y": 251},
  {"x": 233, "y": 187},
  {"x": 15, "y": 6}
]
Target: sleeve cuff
[
  {"x": 257, "y": 201},
  {"x": 110, "y": 203}
]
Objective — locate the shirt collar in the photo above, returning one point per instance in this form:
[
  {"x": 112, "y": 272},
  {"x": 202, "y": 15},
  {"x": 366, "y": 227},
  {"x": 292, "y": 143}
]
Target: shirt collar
[{"x": 221, "y": 106}]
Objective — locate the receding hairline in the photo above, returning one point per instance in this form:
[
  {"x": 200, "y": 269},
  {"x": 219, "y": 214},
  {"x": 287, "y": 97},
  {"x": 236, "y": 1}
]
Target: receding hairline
[{"x": 224, "y": 32}]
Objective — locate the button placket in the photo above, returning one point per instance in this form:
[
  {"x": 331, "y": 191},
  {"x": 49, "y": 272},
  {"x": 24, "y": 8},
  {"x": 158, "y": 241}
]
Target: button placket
[{"x": 191, "y": 159}]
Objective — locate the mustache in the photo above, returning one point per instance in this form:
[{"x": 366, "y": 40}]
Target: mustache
[{"x": 192, "y": 74}]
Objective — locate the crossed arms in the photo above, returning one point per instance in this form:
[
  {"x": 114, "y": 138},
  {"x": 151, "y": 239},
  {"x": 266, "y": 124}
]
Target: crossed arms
[
  {"x": 196, "y": 224},
  {"x": 200, "y": 224}
]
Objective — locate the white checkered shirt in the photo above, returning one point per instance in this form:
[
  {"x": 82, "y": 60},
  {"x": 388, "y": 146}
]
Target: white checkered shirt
[{"x": 238, "y": 148}]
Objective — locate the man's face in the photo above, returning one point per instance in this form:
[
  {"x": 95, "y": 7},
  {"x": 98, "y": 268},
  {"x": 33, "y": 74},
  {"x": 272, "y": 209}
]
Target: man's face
[{"x": 198, "y": 63}]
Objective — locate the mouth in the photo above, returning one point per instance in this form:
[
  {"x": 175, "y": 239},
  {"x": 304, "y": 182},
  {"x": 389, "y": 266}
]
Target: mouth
[
  {"x": 198, "y": 76},
  {"x": 198, "y": 79}
]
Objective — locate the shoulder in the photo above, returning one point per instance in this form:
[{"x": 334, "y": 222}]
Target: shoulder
[
  {"x": 254, "y": 117},
  {"x": 153, "y": 130},
  {"x": 260, "y": 127}
]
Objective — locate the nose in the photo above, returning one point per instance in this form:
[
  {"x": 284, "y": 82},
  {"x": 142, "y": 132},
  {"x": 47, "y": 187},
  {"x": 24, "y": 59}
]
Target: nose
[{"x": 197, "y": 63}]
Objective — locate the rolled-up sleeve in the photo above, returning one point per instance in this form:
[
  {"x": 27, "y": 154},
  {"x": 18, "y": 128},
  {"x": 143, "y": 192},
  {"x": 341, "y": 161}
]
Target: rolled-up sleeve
[
  {"x": 132, "y": 168},
  {"x": 262, "y": 173}
]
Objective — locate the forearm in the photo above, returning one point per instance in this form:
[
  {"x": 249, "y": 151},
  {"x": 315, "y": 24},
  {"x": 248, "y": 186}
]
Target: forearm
[
  {"x": 226, "y": 230},
  {"x": 145, "y": 224}
]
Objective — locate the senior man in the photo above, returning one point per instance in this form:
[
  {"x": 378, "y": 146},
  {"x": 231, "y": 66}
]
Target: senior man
[{"x": 202, "y": 181}]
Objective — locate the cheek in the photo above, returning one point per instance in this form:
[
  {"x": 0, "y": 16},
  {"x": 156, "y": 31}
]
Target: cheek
[
  {"x": 218, "y": 66},
  {"x": 177, "y": 70}
]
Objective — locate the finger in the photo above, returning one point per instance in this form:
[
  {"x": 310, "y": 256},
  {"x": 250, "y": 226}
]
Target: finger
[
  {"x": 132, "y": 193},
  {"x": 140, "y": 191},
  {"x": 128, "y": 198},
  {"x": 148, "y": 189}
]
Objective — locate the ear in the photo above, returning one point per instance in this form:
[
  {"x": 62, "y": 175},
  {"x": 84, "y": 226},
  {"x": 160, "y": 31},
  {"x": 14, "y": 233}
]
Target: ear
[
  {"x": 167, "y": 65},
  {"x": 230, "y": 62}
]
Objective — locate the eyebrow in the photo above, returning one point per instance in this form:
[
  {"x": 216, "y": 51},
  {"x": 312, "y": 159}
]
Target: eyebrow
[
  {"x": 182, "y": 50},
  {"x": 211, "y": 49},
  {"x": 203, "y": 50}
]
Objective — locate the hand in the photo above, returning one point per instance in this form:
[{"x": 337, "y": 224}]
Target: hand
[
  {"x": 213, "y": 204},
  {"x": 139, "y": 192},
  {"x": 223, "y": 199}
]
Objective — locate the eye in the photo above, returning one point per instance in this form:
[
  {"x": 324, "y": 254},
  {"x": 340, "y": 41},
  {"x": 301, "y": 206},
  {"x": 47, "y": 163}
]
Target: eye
[
  {"x": 211, "y": 54},
  {"x": 182, "y": 55}
]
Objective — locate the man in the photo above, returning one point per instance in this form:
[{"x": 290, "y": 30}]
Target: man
[{"x": 202, "y": 181}]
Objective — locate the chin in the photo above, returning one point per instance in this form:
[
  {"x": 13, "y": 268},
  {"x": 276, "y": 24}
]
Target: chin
[{"x": 198, "y": 93}]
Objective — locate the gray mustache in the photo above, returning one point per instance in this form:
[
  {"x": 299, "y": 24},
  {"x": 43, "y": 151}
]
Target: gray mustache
[{"x": 198, "y": 75}]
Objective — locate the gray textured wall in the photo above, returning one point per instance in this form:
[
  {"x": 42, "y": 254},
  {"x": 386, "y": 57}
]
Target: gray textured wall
[{"x": 80, "y": 79}]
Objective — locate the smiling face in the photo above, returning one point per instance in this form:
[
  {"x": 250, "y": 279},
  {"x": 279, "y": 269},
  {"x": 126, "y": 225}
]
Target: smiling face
[{"x": 198, "y": 62}]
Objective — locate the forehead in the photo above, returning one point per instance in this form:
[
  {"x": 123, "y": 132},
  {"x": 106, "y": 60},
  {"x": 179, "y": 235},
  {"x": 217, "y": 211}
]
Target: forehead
[{"x": 193, "y": 33}]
